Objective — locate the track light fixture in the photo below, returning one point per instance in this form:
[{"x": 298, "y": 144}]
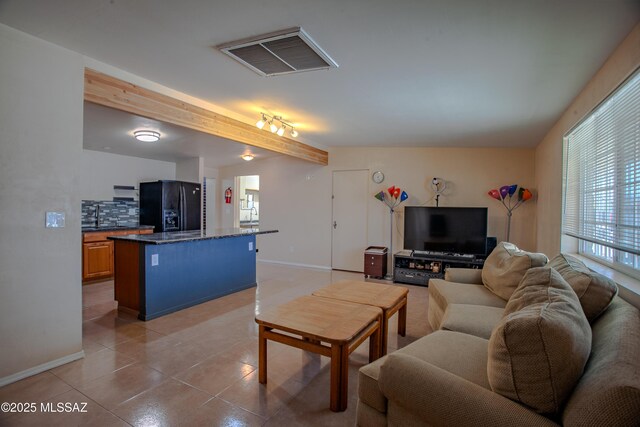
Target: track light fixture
[
  {"x": 260, "y": 123},
  {"x": 273, "y": 127}
]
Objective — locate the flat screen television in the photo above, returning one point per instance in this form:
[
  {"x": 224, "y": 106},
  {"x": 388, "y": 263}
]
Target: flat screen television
[{"x": 446, "y": 229}]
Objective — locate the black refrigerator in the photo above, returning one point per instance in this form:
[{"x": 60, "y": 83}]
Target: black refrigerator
[{"x": 170, "y": 205}]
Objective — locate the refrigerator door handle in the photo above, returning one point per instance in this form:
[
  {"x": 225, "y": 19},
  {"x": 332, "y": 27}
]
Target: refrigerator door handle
[{"x": 183, "y": 209}]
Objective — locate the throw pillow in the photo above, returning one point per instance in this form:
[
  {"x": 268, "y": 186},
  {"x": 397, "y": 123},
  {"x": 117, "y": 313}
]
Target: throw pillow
[
  {"x": 505, "y": 267},
  {"x": 538, "y": 351},
  {"x": 594, "y": 290}
]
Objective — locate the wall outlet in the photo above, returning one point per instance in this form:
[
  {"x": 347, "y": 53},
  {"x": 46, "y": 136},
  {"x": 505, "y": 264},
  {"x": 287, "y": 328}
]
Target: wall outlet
[
  {"x": 250, "y": 246},
  {"x": 155, "y": 260}
]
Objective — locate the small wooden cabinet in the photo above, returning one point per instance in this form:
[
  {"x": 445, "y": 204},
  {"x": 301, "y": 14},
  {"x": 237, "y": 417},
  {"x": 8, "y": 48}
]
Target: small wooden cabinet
[
  {"x": 97, "y": 252},
  {"x": 375, "y": 261}
]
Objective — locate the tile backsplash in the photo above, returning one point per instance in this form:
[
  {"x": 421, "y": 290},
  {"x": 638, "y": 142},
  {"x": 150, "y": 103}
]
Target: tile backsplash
[{"x": 112, "y": 213}]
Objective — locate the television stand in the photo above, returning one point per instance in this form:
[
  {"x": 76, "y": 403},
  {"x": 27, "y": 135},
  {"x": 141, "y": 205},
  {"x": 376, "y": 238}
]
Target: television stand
[
  {"x": 417, "y": 267},
  {"x": 442, "y": 255}
]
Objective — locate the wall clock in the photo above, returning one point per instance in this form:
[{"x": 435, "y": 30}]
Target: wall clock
[{"x": 377, "y": 177}]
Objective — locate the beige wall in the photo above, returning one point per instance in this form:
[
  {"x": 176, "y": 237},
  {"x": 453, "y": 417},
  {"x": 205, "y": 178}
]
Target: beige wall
[
  {"x": 622, "y": 62},
  {"x": 295, "y": 197},
  {"x": 99, "y": 172},
  {"x": 40, "y": 155},
  {"x": 190, "y": 170}
]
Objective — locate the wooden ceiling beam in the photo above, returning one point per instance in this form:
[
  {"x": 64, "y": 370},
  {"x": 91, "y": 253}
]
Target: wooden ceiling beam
[{"x": 111, "y": 92}]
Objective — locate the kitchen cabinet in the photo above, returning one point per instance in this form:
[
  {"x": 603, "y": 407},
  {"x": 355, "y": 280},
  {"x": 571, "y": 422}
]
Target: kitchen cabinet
[
  {"x": 97, "y": 252},
  {"x": 97, "y": 260}
]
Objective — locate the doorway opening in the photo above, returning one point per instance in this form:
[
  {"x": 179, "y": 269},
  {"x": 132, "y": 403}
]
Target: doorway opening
[{"x": 247, "y": 212}]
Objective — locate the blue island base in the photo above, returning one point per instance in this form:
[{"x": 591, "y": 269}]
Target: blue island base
[{"x": 171, "y": 277}]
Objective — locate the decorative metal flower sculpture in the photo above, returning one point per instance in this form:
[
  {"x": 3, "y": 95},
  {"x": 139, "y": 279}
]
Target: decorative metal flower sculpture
[
  {"x": 396, "y": 196},
  {"x": 393, "y": 200},
  {"x": 505, "y": 196}
]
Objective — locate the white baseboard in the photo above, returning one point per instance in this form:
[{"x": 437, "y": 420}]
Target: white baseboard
[
  {"x": 295, "y": 264},
  {"x": 41, "y": 368}
]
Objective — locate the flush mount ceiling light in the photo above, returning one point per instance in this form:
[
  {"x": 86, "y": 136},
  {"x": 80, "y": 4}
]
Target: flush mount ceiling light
[
  {"x": 273, "y": 127},
  {"x": 280, "y": 52},
  {"x": 248, "y": 157},
  {"x": 146, "y": 135}
]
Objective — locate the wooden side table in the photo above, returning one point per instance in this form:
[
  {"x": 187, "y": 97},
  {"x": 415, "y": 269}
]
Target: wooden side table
[
  {"x": 390, "y": 298},
  {"x": 375, "y": 261},
  {"x": 327, "y": 327}
]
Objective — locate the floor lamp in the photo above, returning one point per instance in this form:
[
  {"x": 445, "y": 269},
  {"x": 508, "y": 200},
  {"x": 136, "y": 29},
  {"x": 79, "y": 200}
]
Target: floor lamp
[
  {"x": 393, "y": 200},
  {"x": 505, "y": 194}
]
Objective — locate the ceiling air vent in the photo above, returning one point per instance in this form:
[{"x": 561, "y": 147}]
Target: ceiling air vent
[{"x": 280, "y": 52}]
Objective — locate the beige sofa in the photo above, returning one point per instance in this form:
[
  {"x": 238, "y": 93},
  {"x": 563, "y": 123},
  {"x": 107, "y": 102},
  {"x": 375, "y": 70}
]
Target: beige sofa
[{"x": 446, "y": 378}]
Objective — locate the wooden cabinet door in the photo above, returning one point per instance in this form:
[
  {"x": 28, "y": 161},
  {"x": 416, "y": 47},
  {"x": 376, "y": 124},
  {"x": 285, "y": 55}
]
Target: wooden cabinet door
[{"x": 97, "y": 259}]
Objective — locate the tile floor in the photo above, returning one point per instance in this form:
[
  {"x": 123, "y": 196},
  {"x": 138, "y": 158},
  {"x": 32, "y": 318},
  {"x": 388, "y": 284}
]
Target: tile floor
[{"x": 199, "y": 366}]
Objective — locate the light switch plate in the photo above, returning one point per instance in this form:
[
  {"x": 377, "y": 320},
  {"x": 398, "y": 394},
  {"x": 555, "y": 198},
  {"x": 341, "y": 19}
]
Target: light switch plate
[
  {"x": 54, "y": 220},
  {"x": 250, "y": 246},
  {"x": 154, "y": 260}
]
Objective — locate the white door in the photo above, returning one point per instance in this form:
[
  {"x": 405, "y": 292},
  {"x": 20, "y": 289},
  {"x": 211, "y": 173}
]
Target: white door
[{"x": 349, "y": 227}]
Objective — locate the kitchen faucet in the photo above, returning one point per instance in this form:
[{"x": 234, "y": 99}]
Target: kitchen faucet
[{"x": 253, "y": 208}]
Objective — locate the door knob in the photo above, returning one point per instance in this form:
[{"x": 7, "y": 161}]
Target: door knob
[{"x": 335, "y": 224}]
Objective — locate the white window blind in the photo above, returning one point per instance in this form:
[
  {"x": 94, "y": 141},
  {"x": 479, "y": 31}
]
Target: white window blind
[{"x": 602, "y": 178}]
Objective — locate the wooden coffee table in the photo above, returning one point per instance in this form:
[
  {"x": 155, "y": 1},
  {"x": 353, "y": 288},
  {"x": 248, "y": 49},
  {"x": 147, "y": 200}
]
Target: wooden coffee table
[
  {"x": 324, "y": 326},
  {"x": 390, "y": 298}
]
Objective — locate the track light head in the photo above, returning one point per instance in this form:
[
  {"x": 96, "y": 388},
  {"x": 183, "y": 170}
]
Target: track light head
[
  {"x": 260, "y": 123},
  {"x": 281, "y": 131}
]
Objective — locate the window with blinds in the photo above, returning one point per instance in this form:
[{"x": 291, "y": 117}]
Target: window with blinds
[{"x": 601, "y": 204}]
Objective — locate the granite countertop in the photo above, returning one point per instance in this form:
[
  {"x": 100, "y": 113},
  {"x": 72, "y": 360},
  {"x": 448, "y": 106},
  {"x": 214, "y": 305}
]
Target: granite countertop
[
  {"x": 186, "y": 236},
  {"x": 116, "y": 228}
]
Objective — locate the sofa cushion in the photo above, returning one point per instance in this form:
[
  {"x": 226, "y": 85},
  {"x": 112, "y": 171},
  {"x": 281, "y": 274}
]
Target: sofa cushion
[
  {"x": 443, "y": 293},
  {"x": 478, "y": 320},
  {"x": 461, "y": 354},
  {"x": 538, "y": 351},
  {"x": 594, "y": 290},
  {"x": 608, "y": 392},
  {"x": 505, "y": 267}
]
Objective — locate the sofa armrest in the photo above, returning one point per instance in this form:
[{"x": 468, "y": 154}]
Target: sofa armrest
[
  {"x": 440, "y": 398},
  {"x": 463, "y": 275}
]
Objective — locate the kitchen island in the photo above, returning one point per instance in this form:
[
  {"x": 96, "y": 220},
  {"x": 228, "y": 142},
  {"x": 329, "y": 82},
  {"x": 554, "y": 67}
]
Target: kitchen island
[{"x": 157, "y": 274}]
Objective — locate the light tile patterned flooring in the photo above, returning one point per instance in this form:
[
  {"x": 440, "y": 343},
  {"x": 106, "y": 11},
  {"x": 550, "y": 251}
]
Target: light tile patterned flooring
[{"x": 199, "y": 366}]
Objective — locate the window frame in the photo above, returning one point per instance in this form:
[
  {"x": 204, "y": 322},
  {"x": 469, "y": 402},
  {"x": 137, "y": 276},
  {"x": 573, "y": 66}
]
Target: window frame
[{"x": 613, "y": 255}]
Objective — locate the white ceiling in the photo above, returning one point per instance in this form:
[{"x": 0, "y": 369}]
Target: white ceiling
[
  {"x": 111, "y": 131},
  {"x": 412, "y": 72}
]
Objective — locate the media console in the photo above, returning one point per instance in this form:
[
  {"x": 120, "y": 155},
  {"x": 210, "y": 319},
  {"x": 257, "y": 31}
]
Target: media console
[{"x": 417, "y": 267}]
